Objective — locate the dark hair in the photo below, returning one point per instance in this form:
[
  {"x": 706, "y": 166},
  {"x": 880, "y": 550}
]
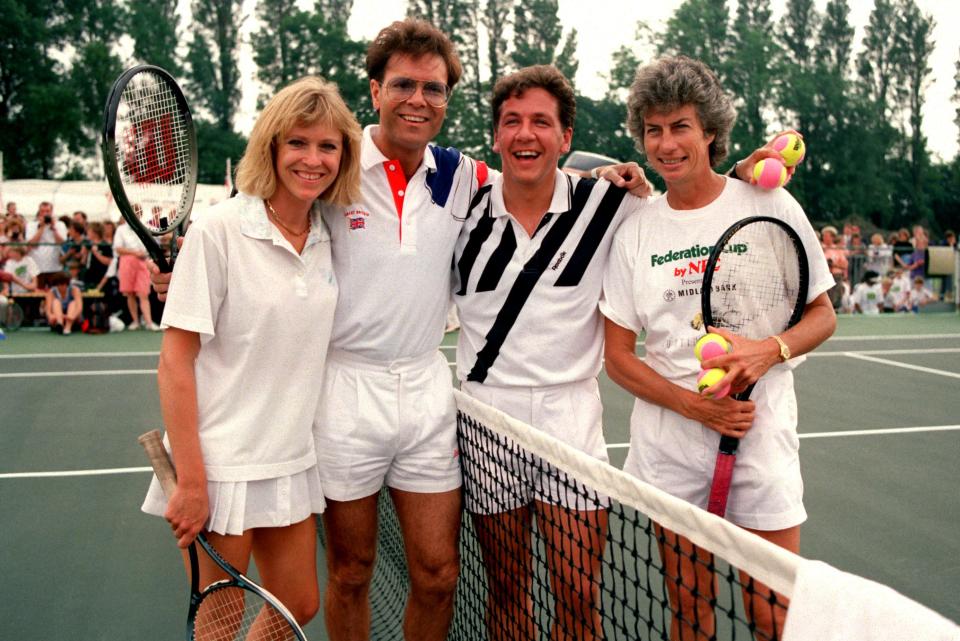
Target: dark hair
[
  {"x": 546, "y": 77},
  {"x": 58, "y": 278},
  {"x": 672, "y": 82},
  {"x": 80, "y": 228},
  {"x": 414, "y": 38}
]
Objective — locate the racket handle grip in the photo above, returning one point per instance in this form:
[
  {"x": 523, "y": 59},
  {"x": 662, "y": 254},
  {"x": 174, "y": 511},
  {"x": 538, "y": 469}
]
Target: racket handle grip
[
  {"x": 720, "y": 488},
  {"x": 153, "y": 445}
]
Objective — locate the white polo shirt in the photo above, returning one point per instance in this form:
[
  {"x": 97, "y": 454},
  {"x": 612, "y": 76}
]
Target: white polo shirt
[
  {"x": 126, "y": 238},
  {"x": 392, "y": 251},
  {"x": 528, "y": 305},
  {"x": 264, "y": 315},
  {"x": 47, "y": 254}
]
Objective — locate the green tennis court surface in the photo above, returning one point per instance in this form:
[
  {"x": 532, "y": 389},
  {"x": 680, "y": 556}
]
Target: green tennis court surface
[{"x": 880, "y": 443}]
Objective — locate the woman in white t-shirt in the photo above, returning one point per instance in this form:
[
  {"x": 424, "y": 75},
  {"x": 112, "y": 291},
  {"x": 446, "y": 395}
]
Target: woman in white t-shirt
[
  {"x": 681, "y": 120},
  {"x": 248, "y": 319}
]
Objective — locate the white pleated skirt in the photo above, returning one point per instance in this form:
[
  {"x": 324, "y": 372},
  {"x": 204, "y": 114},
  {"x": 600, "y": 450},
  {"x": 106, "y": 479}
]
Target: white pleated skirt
[{"x": 240, "y": 506}]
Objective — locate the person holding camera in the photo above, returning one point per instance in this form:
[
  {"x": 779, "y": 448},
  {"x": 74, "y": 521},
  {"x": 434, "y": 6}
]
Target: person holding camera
[{"x": 45, "y": 235}]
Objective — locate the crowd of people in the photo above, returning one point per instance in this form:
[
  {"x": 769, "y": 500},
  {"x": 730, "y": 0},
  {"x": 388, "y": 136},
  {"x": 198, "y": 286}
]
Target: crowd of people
[
  {"x": 101, "y": 261},
  {"x": 888, "y": 274}
]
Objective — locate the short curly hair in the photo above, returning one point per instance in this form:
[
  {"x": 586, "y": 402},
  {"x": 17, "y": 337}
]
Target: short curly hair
[
  {"x": 546, "y": 77},
  {"x": 414, "y": 38},
  {"x": 672, "y": 82}
]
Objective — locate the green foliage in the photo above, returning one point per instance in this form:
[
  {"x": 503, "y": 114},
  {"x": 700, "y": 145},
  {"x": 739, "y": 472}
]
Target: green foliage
[
  {"x": 214, "y": 147},
  {"x": 699, "y": 29},
  {"x": 154, "y": 27},
  {"x": 213, "y": 74}
]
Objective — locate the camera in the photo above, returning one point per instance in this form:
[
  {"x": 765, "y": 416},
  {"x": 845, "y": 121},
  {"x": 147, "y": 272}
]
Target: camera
[{"x": 47, "y": 219}]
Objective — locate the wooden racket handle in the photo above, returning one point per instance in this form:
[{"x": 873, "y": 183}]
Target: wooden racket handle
[
  {"x": 153, "y": 444},
  {"x": 720, "y": 489}
]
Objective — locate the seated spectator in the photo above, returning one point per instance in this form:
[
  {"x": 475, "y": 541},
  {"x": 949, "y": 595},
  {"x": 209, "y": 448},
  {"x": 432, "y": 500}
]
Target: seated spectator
[
  {"x": 63, "y": 305},
  {"x": 868, "y": 294},
  {"x": 23, "y": 267},
  {"x": 74, "y": 271},
  {"x": 896, "y": 297},
  {"x": 918, "y": 296}
]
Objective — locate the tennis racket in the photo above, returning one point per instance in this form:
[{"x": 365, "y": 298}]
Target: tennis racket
[
  {"x": 233, "y": 609},
  {"x": 150, "y": 156},
  {"x": 755, "y": 286}
]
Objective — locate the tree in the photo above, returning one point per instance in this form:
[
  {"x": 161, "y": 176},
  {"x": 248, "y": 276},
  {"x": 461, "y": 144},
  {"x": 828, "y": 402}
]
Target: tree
[
  {"x": 496, "y": 19},
  {"x": 877, "y": 65},
  {"x": 537, "y": 34},
  {"x": 698, "y": 29},
  {"x": 752, "y": 69},
  {"x": 956, "y": 100},
  {"x": 154, "y": 25},
  {"x": 915, "y": 47},
  {"x": 212, "y": 68}
]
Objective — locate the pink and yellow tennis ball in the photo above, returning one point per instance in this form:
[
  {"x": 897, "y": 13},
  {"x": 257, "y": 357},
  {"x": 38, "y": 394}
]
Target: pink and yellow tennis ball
[
  {"x": 710, "y": 377},
  {"x": 769, "y": 173},
  {"x": 791, "y": 148},
  {"x": 710, "y": 346}
]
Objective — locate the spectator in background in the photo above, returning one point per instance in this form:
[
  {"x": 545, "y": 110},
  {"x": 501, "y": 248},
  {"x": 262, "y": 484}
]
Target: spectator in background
[
  {"x": 46, "y": 235},
  {"x": 80, "y": 217},
  {"x": 134, "y": 277},
  {"x": 856, "y": 255},
  {"x": 949, "y": 240},
  {"x": 74, "y": 249},
  {"x": 63, "y": 305},
  {"x": 12, "y": 232},
  {"x": 918, "y": 296},
  {"x": 902, "y": 248},
  {"x": 11, "y": 209},
  {"x": 74, "y": 270},
  {"x": 916, "y": 262},
  {"x": 99, "y": 255},
  {"x": 879, "y": 255},
  {"x": 23, "y": 267},
  {"x": 868, "y": 294},
  {"x": 896, "y": 296},
  {"x": 837, "y": 259}
]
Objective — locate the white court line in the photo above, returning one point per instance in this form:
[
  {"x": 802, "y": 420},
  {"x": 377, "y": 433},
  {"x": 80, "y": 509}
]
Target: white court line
[
  {"x": 39, "y": 475},
  {"x": 96, "y": 372},
  {"x": 931, "y": 350},
  {"x": 77, "y": 355},
  {"x": 916, "y": 368},
  {"x": 611, "y": 446},
  {"x": 878, "y": 432}
]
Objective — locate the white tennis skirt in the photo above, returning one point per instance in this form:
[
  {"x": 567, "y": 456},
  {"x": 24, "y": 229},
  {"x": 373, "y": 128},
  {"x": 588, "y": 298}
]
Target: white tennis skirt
[{"x": 237, "y": 507}]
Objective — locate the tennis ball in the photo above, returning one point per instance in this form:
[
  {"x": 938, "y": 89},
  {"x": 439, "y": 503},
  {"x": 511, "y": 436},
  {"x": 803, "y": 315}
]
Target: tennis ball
[
  {"x": 769, "y": 173},
  {"x": 710, "y": 377},
  {"x": 791, "y": 148},
  {"x": 710, "y": 346}
]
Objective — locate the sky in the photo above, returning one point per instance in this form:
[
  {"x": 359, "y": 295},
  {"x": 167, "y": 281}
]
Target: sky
[{"x": 605, "y": 25}]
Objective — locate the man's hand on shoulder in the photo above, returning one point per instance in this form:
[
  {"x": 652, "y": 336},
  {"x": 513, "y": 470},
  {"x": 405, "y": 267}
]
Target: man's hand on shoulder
[{"x": 628, "y": 175}]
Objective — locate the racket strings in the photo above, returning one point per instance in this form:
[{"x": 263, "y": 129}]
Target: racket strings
[
  {"x": 235, "y": 614},
  {"x": 758, "y": 281},
  {"x": 154, "y": 149}
]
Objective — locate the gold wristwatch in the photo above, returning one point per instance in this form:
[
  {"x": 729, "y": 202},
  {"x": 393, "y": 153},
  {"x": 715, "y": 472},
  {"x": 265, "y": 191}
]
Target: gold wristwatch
[{"x": 784, "y": 350}]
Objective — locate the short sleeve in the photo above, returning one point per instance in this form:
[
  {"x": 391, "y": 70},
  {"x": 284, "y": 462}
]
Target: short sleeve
[
  {"x": 199, "y": 281},
  {"x": 618, "y": 301}
]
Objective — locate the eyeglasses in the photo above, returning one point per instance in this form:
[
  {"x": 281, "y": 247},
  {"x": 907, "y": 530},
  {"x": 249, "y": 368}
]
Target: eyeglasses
[{"x": 436, "y": 94}]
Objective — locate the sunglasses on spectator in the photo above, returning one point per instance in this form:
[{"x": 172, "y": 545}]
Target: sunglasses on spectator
[{"x": 436, "y": 94}]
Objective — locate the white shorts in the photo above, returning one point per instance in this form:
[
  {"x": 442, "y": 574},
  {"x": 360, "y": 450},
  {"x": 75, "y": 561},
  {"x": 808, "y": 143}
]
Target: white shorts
[
  {"x": 388, "y": 424},
  {"x": 678, "y": 456},
  {"x": 572, "y": 413},
  {"x": 239, "y": 506}
]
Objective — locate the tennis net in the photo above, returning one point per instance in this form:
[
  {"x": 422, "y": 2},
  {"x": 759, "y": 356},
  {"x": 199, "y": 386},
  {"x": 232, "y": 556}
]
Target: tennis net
[{"x": 557, "y": 545}]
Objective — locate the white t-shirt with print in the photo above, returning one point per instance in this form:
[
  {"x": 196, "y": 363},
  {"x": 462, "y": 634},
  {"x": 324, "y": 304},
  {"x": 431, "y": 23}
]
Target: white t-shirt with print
[{"x": 653, "y": 284}]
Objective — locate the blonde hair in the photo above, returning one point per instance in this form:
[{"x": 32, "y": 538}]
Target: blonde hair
[{"x": 304, "y": 102}]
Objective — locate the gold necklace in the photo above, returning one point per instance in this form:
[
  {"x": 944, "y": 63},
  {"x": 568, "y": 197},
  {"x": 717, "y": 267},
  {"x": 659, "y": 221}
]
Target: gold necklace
[{"x": 276, "y": 218}]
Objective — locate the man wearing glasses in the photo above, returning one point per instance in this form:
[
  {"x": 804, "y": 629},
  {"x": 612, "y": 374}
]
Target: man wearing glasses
[{"x": 387, "y": 414}]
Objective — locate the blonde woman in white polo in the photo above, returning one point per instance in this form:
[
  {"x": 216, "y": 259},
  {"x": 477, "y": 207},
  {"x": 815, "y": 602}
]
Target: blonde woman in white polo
[{"x": 248, "y": 319}]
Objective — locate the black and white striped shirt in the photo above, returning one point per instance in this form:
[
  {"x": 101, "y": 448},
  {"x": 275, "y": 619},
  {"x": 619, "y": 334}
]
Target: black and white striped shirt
[{"x": 529, "y": 305}]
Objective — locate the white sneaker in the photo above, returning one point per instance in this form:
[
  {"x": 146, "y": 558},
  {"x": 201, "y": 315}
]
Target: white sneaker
[
  {"x": 153, "y": 327},
  {"x": 132, "y": 327}
]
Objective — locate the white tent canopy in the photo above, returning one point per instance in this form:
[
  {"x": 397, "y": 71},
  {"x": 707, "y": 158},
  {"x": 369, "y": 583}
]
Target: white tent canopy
[{"x": 89, "y": 196}]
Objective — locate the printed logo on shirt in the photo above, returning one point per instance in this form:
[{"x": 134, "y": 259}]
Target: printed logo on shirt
[
  {"x": 560, "y": 258},
  {"x": 696, "y": 252},
  {"x": 356, "y": 219}
]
